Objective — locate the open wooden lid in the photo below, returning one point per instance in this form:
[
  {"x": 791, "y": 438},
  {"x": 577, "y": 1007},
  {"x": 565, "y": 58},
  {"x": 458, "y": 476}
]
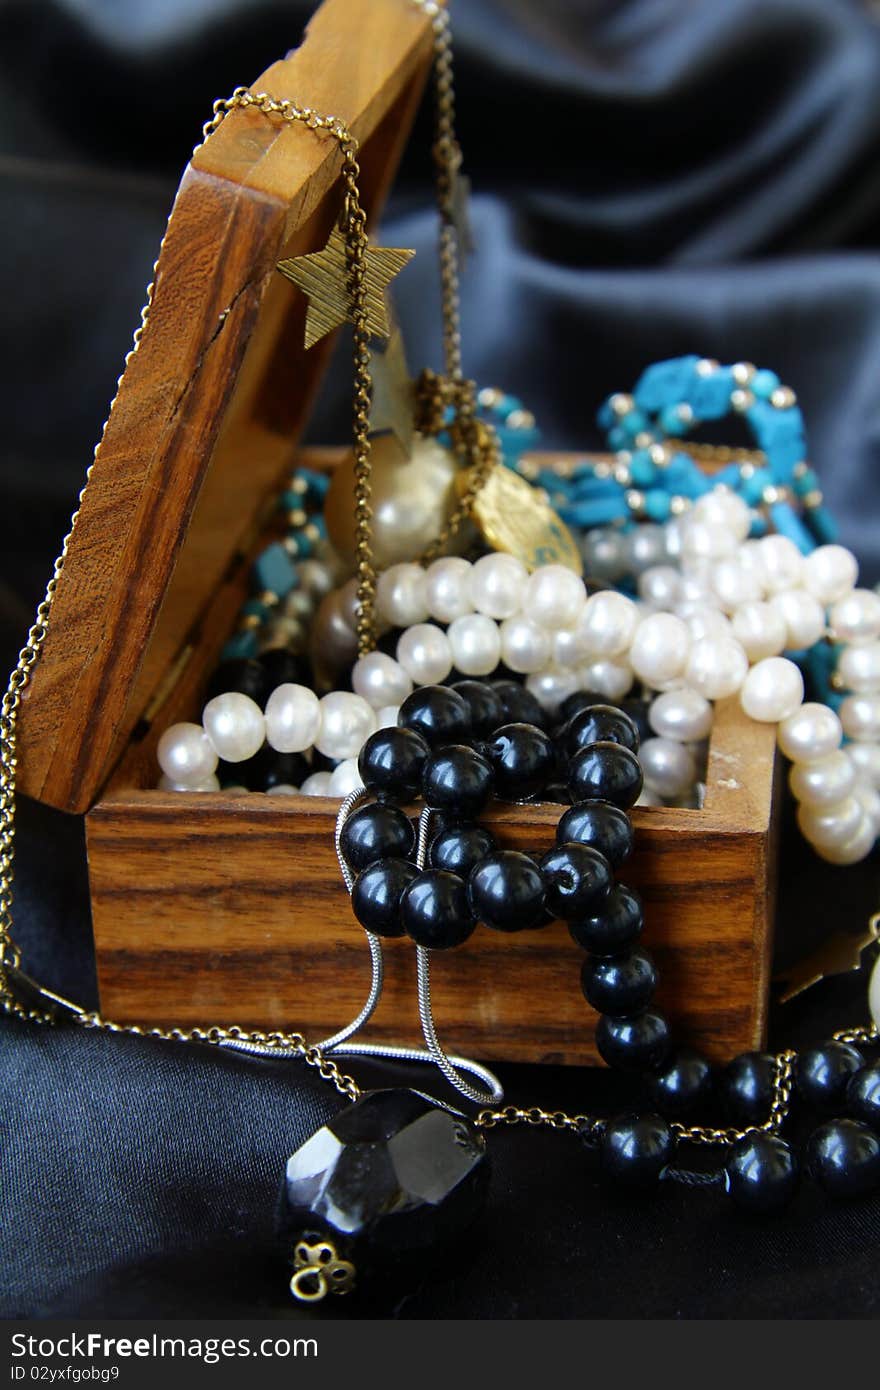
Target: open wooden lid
[{"x": 210, "y": 406}]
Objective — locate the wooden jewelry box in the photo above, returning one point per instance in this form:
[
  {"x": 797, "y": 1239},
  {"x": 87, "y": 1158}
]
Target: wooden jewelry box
[{"x": 219, "y": 908}]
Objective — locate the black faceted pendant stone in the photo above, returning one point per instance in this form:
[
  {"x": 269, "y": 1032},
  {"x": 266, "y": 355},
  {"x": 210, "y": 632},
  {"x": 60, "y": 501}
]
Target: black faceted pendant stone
[{"x": 389, "y": 1179}]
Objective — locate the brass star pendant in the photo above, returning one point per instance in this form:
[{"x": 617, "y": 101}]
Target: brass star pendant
[
  {"x": 323, "y": 278},
  {"x": 394, "y": 393}
]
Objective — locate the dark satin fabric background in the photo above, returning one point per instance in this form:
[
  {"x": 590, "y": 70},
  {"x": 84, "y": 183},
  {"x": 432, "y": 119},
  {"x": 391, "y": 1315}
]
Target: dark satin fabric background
[{"x": 651, "y": 177}]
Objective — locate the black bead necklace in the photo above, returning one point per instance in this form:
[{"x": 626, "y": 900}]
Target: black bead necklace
[{"x": 457, "y": 747}]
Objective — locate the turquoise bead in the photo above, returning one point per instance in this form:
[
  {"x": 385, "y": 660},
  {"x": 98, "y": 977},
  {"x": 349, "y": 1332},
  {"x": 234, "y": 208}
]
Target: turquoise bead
[
  {"x": 787, "y": 522},
  {"x": 805, "y": 482},
  {"x": 822, "y": 525},
  {"x": 663, "y": 382},
  {"x": 672, "y": 421},
  {"x": 599, "y": 512},
  {"x": 710, "y": 395},
  {"x": 274, "y": 570},
  {"x": 633, "y": 423},
  {"x": 763, "y": 383},
  {"x": 643, "y": 472},
  {"x": 658, "y": 505},
  {"x": 255, "y": 608},
  {"x": 241, "y": 644},
  {"x": 752, "y": 489},
  {"x": 318, "y": 483}
]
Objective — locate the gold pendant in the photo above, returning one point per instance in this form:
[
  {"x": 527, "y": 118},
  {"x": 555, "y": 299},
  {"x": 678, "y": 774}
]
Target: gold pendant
[
  {"x": 517, "y": 518},
  {"x": 323, "y": 278}
]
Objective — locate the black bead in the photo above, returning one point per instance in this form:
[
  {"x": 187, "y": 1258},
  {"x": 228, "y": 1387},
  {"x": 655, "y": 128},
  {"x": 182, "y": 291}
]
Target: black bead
[
  {"x": 634, "y": 1149},
  {"x": 375, "y": 898},
  {"x": 459, "y": 848},
  {"x": 376, "y": 832},
  {"x": 605, "y": 772},
  {"x": 436, "y": 911},
  {"x": 824, "y": 1072},
  {"x": 601, "y": 825},
  {"x": 638, "y": 713},
  {"x": 683, "y": 1083},
  {"x": 640, "y": 1043},
  {"x": 283, "y": 667},
  {"x": 389, "y": 1179},
  {"x": 438, "y": 713},
  {"x": 761, "y": 1173},
  {"x": 600, "y": 724},
  {"x": 507, "y": 891},
  {"x": 863, "y": 1095},
  {"x": 524, "y": 760},
  {"x": 242, "y": 675},
  {"x": 619, "y": 985},
  {"x": 485, "y": 705},
  {"x": 456, "y": 778},
  {"x": 573, "y": 704},
  {"x": 391, "y": 763},
  {"x": 843, "y": 1156},
  {"x": 520, "y": 705},
  {"x": 746, "y": 1087},
  {"x": 577, "y": 878},
  {"x": 616, "y": 927}
]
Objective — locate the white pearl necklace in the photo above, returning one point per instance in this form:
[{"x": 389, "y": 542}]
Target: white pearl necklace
[{"x": 710, "y": 626}]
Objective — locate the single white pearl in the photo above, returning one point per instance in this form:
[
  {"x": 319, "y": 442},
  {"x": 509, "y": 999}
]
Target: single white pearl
[
  {"x": 611, "y": 679},
  {"x": 551, "y": 687},
  {"x": 856, "y": 849},
  {"x": 300, "y": 605},
  {"x": 698, "y": 589},
  {"x": 716, "y": 668},
  {"x": 859, "y": 668},
  {"x": 554, "y": 597},
  {"x": 823, "y": 782},
  {"x": 869, "y": 800},
  {"x": 570, "y": 645},
  {"x": 283, "y": 789},
  {"x": 608, "y": 623},
  {"x": 803, "y": 615},
  {"x": 750, "y": 557},
  {"x": 856, "y": 618},
  {"x": 317, "y": 784},
  {"x": 401, "y": 597},
  {"x": 865, "y": 759},
  {"x": 643, "y": 547},
  {"x": 706, "y": 540},
  {"x": 186, "y": 755},
  {"x": 497, "y": 585},
  {"x": 829, "y": 826},
  {"x": 448, "y": 589},
  {"x": 346, "y": 723},
  {"x": 772, "y": 690},
  {"x": 830, "y": 571},
  {"x": 760, "y": 629},
  {"x": 207, "y": 784},
  {"x": 344, "y": 778},
  {"x": 425, "y": 654},
  {"x": 811, "y": 733},
  {"x": 733, "y": 585},
  {"x": 235, "y": 725},
  {"x": 386, "y": 717},
  {"x": 724, "y": 508},
  {"x": 604, "y": 552},
  {"x": 783, "y": 564},
  {"x": 525, "y": 647},
  {"x": 315, "y": 578},
  {"x": 293, "y": 718},
  {"x": 860, "y": 717},
  {"x": 660, "y": 649},
  {"x": 704, "y": 620},
  {"x": 476, "y": 644},
  {"x": 874, "y": 994},
  {"x": 660, "y": 587},
  {"x": 380, "y": 680},
  {"x": 685, "y": 716},
  {"x": 669, "y": 768}
]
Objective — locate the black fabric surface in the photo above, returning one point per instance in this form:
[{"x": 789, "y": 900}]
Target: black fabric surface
[{"x": 652, "y": 177}]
